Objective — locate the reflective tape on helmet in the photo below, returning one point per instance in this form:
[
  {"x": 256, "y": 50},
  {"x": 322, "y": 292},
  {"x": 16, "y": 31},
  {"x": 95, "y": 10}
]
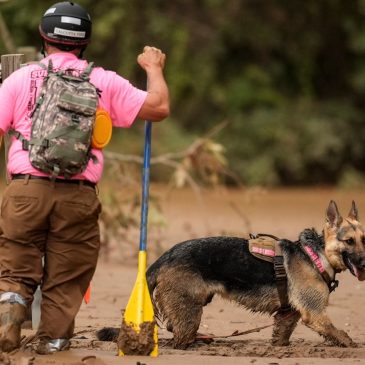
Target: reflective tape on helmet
[
  {"x": 49, "y": 11},
  {"x": 70, "y": 20},
  {"x": 69, "y": 33}
]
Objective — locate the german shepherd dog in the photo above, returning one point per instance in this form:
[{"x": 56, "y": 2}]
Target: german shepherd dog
[{"x": 187, "y": 276}]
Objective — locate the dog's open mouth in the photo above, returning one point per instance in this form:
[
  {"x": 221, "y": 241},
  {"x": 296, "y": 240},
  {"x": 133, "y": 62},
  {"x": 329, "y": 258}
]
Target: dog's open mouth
[{"x": 359, "y": 272}]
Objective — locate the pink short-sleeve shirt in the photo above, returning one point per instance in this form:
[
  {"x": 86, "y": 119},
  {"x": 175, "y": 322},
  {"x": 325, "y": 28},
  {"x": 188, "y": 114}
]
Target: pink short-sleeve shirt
[{"x": 18, "y": 95}]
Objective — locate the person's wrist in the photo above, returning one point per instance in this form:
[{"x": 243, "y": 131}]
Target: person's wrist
[{"x": 153, "y": 69}]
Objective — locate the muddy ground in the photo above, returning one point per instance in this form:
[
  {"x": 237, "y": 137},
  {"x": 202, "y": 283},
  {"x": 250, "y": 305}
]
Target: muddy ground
[{"x": 234, "y": 212}]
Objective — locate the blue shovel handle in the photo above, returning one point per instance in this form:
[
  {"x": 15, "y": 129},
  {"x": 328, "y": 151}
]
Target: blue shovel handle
[{"x": 145, "y": 185}]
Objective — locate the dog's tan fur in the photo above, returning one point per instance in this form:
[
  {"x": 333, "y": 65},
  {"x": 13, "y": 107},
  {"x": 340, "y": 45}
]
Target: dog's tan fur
[{"x": 340, "y": 236}]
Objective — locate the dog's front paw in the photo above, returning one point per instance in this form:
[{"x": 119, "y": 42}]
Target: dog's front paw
[
  {"x": 353, "y": 344},
  {"x": 346, "y": 340},
  {"x": 342, "y": 339}
]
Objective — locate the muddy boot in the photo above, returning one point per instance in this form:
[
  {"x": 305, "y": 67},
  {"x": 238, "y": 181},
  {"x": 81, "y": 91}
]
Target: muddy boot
[
  {"x": 12, "y": 314},
  {"x": 47, "y": 346}
]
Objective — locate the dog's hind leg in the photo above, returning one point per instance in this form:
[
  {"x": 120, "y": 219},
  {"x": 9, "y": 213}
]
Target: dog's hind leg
[
  {"x": 181, "y": 302},
  {"x": 284, "y": 325},
  {"x": 185, "y": 329},
  {"x": 183, "y": 313},
  {"x": 323, "y": 326}
]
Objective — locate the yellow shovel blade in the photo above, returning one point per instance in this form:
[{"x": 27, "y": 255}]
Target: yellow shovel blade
[{"x": 139, "y": 308}]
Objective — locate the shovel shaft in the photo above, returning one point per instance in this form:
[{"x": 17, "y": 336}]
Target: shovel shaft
[
  {"x": 139, "y": 309},
  {"x": 145, "y": 186},
  {"x": 142, "y": 263}
]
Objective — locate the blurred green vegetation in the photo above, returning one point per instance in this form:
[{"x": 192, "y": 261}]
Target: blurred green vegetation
[{"x": 288, "y": 76}]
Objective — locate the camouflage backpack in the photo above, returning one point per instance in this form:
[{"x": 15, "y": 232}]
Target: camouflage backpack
[{"x": 62, "y": 123}]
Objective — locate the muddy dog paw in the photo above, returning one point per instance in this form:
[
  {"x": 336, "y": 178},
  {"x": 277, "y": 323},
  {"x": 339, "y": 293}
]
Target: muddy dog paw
[
  {"x": 342, "y": 339},
  {"x": 346, "y": 340}
]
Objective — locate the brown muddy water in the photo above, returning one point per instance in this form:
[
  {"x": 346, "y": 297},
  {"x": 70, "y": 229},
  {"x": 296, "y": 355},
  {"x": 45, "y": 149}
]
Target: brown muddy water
[{"x": 282, "y": 212}]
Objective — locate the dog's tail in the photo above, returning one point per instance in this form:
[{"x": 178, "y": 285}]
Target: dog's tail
[{"x": 108, "y": 334}]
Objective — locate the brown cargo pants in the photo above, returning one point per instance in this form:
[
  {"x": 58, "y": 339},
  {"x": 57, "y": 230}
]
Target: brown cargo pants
[{"x": 57, "y": 222}]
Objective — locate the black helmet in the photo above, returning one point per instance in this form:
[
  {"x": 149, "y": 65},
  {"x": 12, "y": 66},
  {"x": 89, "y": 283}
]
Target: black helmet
[{"x": 66, "y": 23}]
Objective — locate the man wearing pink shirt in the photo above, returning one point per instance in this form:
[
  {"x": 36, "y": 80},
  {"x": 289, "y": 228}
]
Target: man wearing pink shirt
[{"x": 57, "y": 220}]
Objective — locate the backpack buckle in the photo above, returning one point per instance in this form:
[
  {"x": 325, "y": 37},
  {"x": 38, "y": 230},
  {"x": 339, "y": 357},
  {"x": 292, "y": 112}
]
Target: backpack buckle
[
  {"x": 333, "y": 285},
  {"x": 75, "y": 118},
  {"x": 16, "y": 134},
  {"x": 25, "y": 145}
]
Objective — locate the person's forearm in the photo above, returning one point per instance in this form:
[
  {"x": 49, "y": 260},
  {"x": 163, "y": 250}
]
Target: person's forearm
[
  {"x": 157, "y": 104},
  {"x": 158, "y": 93}
]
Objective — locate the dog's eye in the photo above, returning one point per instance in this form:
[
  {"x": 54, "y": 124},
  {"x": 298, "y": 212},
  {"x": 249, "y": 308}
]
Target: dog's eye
[{"x": 350, "y": 241}]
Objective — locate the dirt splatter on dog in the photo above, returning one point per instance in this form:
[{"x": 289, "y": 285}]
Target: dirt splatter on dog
[{"x": 187, "y": 276}]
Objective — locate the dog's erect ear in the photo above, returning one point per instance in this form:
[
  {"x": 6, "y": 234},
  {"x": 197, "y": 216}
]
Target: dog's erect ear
[
  {"x": 333, "y": 215},
  {"x": 354, "y": 214}
]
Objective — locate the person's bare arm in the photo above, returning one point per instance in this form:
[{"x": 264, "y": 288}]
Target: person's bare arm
[{"x": 157, "y": 104}]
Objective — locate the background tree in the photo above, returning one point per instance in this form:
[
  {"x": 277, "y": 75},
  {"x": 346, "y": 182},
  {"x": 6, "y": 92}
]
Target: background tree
[{"x": 288, "y": 76}]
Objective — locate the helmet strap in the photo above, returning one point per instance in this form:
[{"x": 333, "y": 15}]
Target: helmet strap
[
  {"x": 43, "y": 49},
  {"x": 81, "y": 54}
]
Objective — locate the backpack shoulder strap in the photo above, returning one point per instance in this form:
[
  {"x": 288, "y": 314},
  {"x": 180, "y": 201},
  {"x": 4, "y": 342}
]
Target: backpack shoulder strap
[
  {"x": 49, "y": 68},
  {"x": 42, "y": 65},
  {"x": 87, "y": 71}
]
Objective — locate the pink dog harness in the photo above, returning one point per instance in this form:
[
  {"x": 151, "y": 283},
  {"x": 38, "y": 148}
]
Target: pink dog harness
[
  {"x": 315, "y": 258},
  {"x": 263, "y": 251},
  {"x": 331, "y": 283},
  {"x": 267, "y": 248}
]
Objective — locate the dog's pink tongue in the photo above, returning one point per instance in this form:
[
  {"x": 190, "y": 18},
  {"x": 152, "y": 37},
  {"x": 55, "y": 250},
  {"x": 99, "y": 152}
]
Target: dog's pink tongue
[
  {"x": 360, "y": 274},
  {"x": 355, "y": 270}
]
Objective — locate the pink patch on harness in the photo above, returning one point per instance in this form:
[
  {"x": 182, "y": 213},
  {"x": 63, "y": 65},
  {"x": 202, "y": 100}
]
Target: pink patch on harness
[
  {"x": 315, "y": 258},
  {"x": 263, "y": 251}
]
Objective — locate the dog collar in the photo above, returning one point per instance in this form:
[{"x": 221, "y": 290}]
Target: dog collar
[{"x": 318, "y": 263}]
